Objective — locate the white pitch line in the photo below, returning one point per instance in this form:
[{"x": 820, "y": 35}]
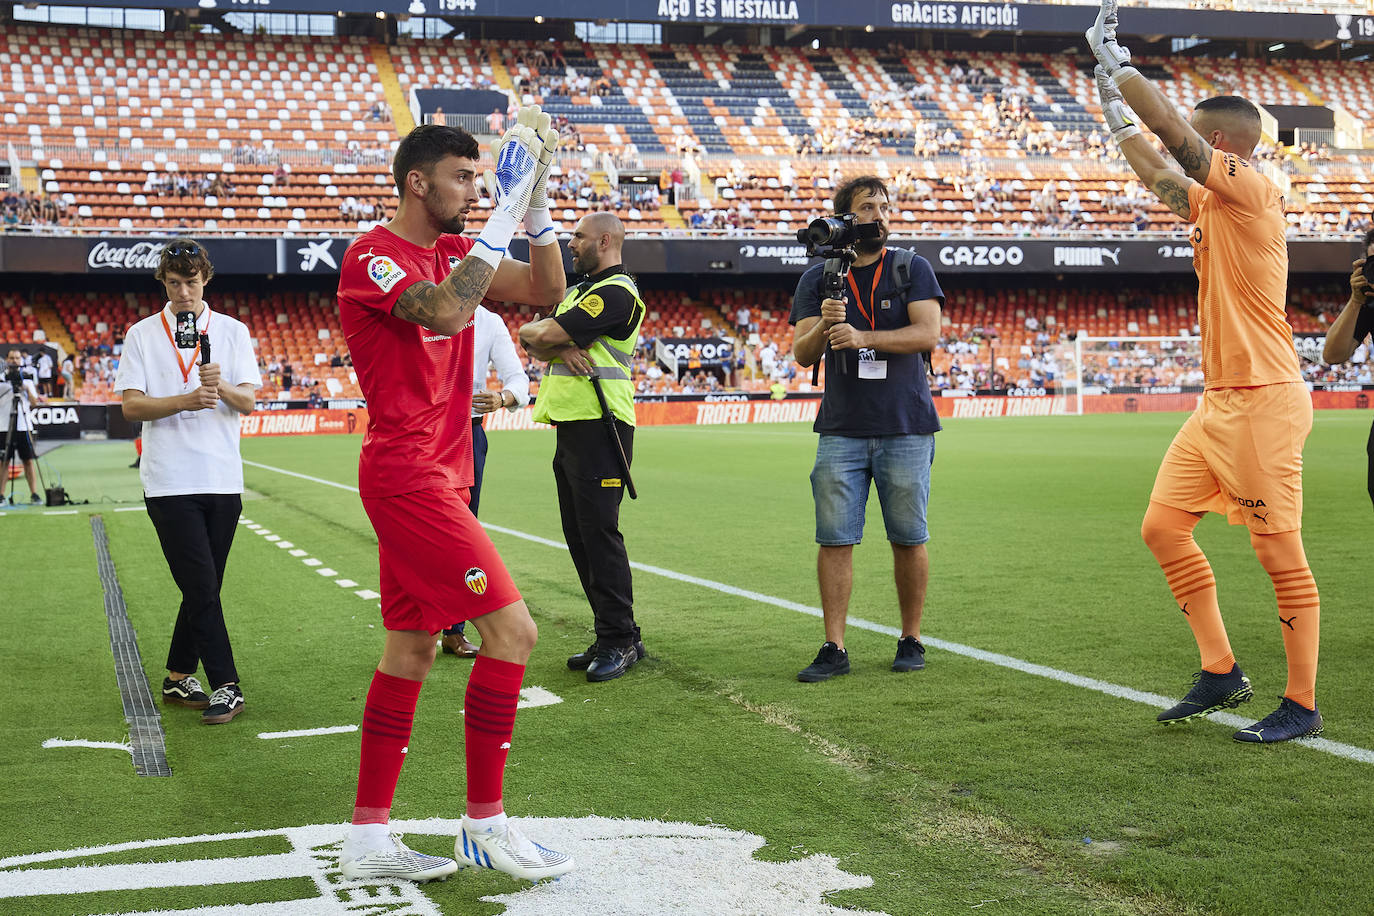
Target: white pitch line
[
  {"x": 1336, "y": 748},
  {"x": 309, "y": 732},
  {"x": 345, "y": 583},
  {"x": 298, "y": 552},
  {"x": 132, "y": 509},
  {"x": 367, "y": 594},
  {"x": 61, "y": 512},
  {"x": 80, "y": 742},
  {"x": 284, "y": 545},
  {"x": 311, "y": 561}
]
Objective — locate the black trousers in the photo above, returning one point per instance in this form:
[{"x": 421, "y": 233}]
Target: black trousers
[
  {"x": 196, "y": 532},
  {"x": 583, "y": 462},
  {"x": 1370, "y": 450}
]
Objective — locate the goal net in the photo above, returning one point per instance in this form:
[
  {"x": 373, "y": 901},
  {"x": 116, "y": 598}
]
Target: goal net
[{"x": 1129, "y": 374}]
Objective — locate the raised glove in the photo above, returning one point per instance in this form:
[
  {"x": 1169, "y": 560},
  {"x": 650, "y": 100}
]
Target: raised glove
[
  {"x": 1102, "y": 40},
  {"x": 1114, "y": 110},
  {"x": 539, "y": 224},
  {"x": 517, "y": 162}
]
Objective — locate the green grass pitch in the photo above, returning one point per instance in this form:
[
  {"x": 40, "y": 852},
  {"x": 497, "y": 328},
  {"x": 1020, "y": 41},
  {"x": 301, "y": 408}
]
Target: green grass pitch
[{"x": 969, "y": 787}]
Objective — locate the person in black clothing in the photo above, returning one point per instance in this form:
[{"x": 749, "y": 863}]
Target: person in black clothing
[
  {"x": 1351, "y": 327},
  {"x": 877, "y": 420},
  {"x": 593, "y": 333}
]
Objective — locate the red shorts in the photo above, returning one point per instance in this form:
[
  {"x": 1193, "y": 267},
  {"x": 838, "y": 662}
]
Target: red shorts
[{"x": 439, "y": 568}]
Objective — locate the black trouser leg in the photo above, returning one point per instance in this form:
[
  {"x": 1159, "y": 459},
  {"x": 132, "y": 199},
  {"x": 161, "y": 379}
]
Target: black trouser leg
[
  {"x": 1370, "y": 449},
  {"x": 585, "y": 458},
  {"x": 196, "y": 532}
]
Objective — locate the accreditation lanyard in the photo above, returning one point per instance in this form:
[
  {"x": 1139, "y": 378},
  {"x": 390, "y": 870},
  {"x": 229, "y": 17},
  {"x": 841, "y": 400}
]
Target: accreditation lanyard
[
  {"x": 185, "y": 366},
  {"x": 869, "y": 313}
]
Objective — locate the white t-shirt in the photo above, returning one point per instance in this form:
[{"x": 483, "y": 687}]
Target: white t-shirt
[{"x": 190, "y": 451}]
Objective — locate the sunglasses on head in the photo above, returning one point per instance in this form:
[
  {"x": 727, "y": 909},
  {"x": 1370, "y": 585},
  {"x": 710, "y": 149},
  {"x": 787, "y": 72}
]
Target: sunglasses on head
[{"x": 176, "y": 251}]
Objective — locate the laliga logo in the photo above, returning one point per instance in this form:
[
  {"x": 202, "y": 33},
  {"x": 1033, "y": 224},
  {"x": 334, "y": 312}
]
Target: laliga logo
[
  {"x": 676, "y": 859},
  {"x": 476, "y": 579},
  {"x": 138, "y": 256},
  {"x": 314, "y": 253},
  {"x": 1343, "y": 27}
]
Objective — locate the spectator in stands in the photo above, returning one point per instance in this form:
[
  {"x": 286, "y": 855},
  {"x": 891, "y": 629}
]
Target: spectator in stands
[
  {"x": 496, "y": 121},
  {"x": 877, "y": 420},
  {"x": 193, "y": 479},
  {"x": 1349, "y": 331}
]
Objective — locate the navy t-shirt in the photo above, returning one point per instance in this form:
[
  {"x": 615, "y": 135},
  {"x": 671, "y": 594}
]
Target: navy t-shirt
[{"x": 898, "y": 405}]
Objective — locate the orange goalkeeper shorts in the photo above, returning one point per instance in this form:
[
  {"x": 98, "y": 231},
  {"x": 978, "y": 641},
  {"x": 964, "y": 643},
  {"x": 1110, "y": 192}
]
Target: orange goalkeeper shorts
[{"x": 1240, "y": 454}]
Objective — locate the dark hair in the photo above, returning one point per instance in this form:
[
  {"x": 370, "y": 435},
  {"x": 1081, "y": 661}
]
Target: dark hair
[
  {"x": 186, "y": 257},
  {"x": 426, "y": 145},
  {"x": 1231, "y": 105},
  {"x": 844, "y": 197}
]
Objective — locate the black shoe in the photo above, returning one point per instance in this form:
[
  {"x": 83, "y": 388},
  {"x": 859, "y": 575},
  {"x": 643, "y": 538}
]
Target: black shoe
[
  {"x": 35, "y": 498},
  {"x": 582, "y": 660},
  {"x": 1210, "y": 693},
  {"x": 911, "y": 655},
  {"x": 613, "y": 661},
  {"x": 225, "y": 703},
  {"x": 136, "y": 461},
  {"x": 830, "y": 661},
  {"x": 185, "y": 692}
]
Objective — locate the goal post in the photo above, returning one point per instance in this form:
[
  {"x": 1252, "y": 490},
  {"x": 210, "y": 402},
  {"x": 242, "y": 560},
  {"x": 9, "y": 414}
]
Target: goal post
[{"x": 1161, "y": 367}]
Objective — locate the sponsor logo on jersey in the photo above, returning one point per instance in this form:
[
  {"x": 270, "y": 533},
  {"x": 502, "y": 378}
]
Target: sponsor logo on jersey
[
  {"x": 384, "y": 272},
  {"x": 476, "y": 579}
]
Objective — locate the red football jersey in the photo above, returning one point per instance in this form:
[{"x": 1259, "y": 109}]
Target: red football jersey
[{"x": 418, "y": 382}]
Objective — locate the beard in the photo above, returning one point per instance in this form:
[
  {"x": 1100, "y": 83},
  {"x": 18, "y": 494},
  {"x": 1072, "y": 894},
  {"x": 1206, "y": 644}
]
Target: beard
[
  {"x": 872, "y": 246},
  {"x": 453, "y": 224}
]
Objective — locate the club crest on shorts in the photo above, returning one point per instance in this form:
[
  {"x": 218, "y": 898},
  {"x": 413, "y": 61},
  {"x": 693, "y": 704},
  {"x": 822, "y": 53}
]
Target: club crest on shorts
[{"x": 476, "y": 578}]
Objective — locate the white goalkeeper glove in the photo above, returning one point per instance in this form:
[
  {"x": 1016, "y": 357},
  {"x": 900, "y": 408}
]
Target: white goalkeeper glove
[
  {"x": 1114, "y": 110},
  {"x": 1113, "y": 58},
  {"x": 517, "y": 162},
  {"x": 539, "y": 226}
]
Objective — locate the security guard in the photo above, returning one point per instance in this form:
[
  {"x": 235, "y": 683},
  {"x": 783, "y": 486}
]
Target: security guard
[{"x": 594, "y": 331}]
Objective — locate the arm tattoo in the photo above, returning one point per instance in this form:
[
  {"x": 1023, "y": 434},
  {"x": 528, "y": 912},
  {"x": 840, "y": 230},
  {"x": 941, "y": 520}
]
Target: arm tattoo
[
  {"x": 455, "y": 299},
  {"x": 1174, "y": 195},
  {"x": 1189, "y": 155}
]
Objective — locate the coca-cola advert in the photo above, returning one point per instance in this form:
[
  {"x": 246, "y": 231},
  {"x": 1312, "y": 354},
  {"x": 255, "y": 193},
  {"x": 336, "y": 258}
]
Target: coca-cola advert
[{"x": 127, "y": 255}]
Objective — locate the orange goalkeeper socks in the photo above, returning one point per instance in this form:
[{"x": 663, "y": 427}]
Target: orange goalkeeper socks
[
  {"x": 1283, "y": 558},
  {"x": 1168, "y": 532}
]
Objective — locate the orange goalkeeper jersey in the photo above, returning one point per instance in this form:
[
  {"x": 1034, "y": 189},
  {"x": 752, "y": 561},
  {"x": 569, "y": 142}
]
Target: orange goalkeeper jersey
[{"x": 1240, "y": 253}]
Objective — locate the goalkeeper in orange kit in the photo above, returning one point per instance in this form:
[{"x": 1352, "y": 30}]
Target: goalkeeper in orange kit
[{"x": 1240, "y": 453}]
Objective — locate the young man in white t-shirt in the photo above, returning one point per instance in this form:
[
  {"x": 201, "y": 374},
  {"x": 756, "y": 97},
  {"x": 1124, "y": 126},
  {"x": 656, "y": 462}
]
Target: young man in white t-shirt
[{"x": 191, "y": 470}]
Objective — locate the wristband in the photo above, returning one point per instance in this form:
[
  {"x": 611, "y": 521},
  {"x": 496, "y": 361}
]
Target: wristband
[
  {"x": 495, "y": 237},
  {"x": 1122, "y": 74},
  {"x": 539, "y": 227}
]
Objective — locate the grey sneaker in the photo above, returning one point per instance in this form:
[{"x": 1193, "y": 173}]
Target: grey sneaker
[
  {"x": 830, "y": 661},
  {"x": 911, "y": 655}
]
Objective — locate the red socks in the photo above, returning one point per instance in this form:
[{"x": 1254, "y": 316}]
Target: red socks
[
  {"x": 1169, "y": 534},
  {"x": 488, "y": 723},
  {"x": 387, "y": 720}
]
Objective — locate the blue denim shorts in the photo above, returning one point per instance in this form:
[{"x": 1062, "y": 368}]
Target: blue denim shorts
[{"x": 899, "y": 465}]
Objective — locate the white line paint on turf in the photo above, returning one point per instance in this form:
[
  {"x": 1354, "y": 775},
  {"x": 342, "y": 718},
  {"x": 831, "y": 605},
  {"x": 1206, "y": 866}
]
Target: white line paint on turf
[
  {"x": 367, "y": 594},
  {"x": 692, "y": 868},
  {"x": 1348, "y": 751},
  {"x": 62, "y": 512},
  {"x": 132, "y": 509},
  {"x": 309, "y": 732},
  {"x": 78, "y": 742}
]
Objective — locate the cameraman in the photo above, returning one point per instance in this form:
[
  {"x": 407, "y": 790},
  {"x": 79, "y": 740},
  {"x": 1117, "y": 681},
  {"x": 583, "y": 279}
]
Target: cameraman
[
  {"x": 877, "y": 420},
  {"x": 1352, "y": 326},
  {"x": 20, "y": 396}
]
